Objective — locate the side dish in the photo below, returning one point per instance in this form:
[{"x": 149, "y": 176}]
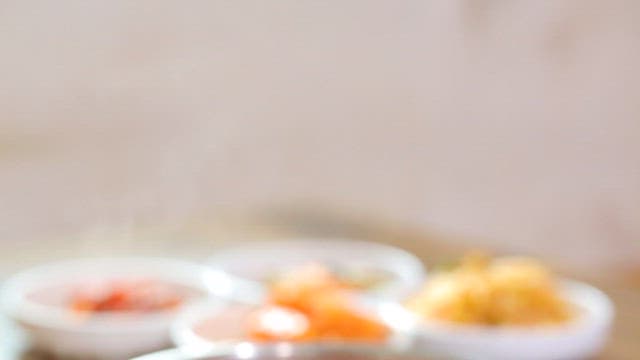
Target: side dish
[
  {"x": 494, "y": 292},
  {"x": 102, "y": 308},
  {"x": 311, "y": 304}
]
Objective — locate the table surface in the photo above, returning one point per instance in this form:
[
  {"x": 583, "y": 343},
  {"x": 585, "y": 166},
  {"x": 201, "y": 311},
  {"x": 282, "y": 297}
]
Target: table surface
[{"x": 624, "y": 289}]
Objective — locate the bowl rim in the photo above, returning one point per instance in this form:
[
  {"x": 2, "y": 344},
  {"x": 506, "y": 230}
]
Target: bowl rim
[
  {"x": 15, "y": 303},
  {"x": 231, "y": 348}
]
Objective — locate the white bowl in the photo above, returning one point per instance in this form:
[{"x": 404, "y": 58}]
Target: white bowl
[
  {"x": 54, "y": 328},
  {"x": 229, "y": 320},
  {"x": 259, "y": 260},
  {"x": 582, "y": 338}
]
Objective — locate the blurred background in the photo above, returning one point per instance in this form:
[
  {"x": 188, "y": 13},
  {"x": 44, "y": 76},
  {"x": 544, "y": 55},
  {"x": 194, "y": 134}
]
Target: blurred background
[
  {"x": 511, "y": 125},
  {"x": 171, "y": 126}
]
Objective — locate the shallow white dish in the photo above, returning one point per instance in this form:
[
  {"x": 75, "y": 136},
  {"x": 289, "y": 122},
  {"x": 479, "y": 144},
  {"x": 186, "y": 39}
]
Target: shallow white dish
[
  {"x": 260, "y": 260},
  {"x": 54, "y": 328},
  {"x": 582, "y": 338},
  {"x": 226, "y": 323}
]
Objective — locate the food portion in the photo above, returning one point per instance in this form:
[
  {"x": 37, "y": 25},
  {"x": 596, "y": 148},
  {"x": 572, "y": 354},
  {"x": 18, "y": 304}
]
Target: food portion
[
  {"x": 494, "y": 292},
  {"x": 134, "y": 295},
  {"x": 310, "y": 304},
  {"x": 356, "y": 278}
]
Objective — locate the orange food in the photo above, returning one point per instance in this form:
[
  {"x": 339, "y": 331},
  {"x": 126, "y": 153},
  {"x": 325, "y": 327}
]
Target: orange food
[
  {"x": 273, "y": 323},
  {"x": 333, "y": 317},
  {"x": 298, "y": 288},
  {"x": 126, "y": 296},
  {"x": 313, "y": 305}
]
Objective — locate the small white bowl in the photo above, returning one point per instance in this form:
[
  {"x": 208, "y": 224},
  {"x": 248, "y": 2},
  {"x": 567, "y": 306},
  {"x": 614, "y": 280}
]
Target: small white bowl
[
  {"x": 229, "y": 320},
  {"x": 54, "y": 328},
  {"x": 260, "y": 260},
  {"x": 581, "y": 338}
]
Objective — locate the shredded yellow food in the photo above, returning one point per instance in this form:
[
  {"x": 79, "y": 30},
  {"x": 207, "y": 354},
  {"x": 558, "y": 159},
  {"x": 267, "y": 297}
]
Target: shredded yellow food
[{"x": 504, "y": 291}]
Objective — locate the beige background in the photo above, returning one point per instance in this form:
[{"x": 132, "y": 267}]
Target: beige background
[{"x": 512, "y": 123}]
